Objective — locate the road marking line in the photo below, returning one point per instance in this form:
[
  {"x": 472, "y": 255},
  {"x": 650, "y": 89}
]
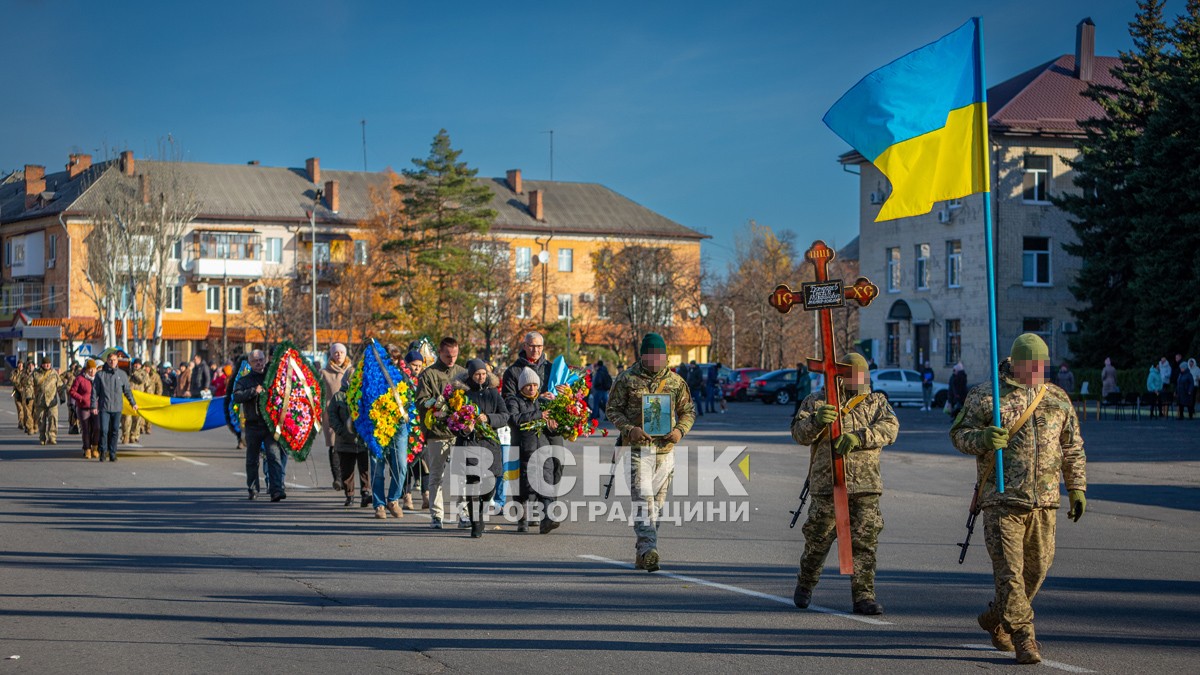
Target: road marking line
[
  {"x": 189, "y": 460},
  {"x": 744, "y": 591},
  {"x": 295, "y": 485},
  {"x": 1045, "y": 662}
]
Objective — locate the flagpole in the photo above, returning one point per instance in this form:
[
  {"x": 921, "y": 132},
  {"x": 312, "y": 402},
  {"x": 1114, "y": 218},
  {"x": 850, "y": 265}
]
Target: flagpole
[{"x": 989, "y": 252}]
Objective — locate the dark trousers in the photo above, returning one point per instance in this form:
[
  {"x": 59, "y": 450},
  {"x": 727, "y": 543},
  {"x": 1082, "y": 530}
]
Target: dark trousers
[
  {"x": 110, "y": 433},
  {"x": 551, "y": 471},
  {"x": 89, "y": 428},
  {"x": 258, "y": 439},
  {"x": 347, "y": 462},
  {"x": 335, "y": 465}
]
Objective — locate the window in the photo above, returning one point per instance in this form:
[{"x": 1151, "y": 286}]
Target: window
[
  {"x": 212, "y": 299},
  {"x": 890, "y": 376},
  {"x": 272, "y": 299},
  {"x": 893, "y": 265},
  {"x": 1043, "y": 327},
  {"x": 922, "y": 267},
  {"x": 1037, "y": 177},
  {"x": 8, "y": 253},
  {"x": 566, "y": 260},
  {"x": 893, "y": 344},
  {"x": 274, "y": 250},
  {"x": 50, "y": 299},
  {"x": 174, "y": 299},
  {"x": 1035, "y": 259},
  {"x": 234, "y": 301},
  {"x": 602, "y": 307},
  {"x": 524, "y": 303},
  {"x": 360, "y": 253},
  {"x": 52, "y": 251},
  {"x": 46, "y": 347},
  {"x": 174, "y": 351},
  {"x": 953, "y": 341},
  {"x": 524, "y": 263},
  {"x": 226, "y": 245},
  {"x": 322, "y": 252},
  {"x": 177, "y": 249},
  {"x": 564, "y": 306},
  {"x": 954, "y": 264}
]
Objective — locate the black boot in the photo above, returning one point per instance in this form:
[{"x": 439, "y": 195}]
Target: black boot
[
  {"x": 475, "y": 512},
  {"x": 802, "y": 596}
]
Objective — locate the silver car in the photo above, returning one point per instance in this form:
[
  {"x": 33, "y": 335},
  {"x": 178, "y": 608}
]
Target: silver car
[{"x": 901, "y": 385}]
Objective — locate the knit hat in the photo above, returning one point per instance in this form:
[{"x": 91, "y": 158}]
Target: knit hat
[
  {"x": 653, "y": 341},
  {"x": 475, "y": 365},
  {"x": 528, "y": 376},
  {"x": 857, "y": 361},
  {"x": 1029, "y": 347},
  {"x": 45, "y": 360},
  {"x": 413, "y": 355}
]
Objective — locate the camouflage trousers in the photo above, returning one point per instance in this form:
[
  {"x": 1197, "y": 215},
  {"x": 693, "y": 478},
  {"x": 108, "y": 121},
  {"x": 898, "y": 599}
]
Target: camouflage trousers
[
  {"x": 820, "y": 530},
  {"x": 1021, "y": 544},
  {"x": 649, "y": 482},
  {"x": 26, "y": 418},
  {"x": 47, "y": 418},
  {"x": 131, "y": 428}
]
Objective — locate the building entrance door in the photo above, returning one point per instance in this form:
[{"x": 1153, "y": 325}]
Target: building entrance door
[{"x": 921, "y": 345}]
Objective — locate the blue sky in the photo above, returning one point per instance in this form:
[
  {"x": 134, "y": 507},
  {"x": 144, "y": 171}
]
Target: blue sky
[{"x": 707, "y": 112}]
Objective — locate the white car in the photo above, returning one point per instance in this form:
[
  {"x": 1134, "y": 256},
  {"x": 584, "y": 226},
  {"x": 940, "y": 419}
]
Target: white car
[{"x": 901, "y": 385}]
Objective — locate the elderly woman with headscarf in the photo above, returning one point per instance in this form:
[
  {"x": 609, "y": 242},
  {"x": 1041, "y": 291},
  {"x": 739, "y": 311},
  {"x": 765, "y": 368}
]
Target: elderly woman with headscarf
[
  {"x": 480, "y": 386},
  {"x": 331, "y": 383}
]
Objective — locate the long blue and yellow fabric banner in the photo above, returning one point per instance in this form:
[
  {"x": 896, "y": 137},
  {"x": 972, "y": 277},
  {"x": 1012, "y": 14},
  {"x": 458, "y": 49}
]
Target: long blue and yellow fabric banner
[
  {"x": 922, "y": 120},
  {"x": 179, "y": 414}
]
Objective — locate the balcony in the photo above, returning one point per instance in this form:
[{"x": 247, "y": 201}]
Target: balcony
[
  {"x": 218, "y": 268},
  {"x": 327, "y": 272}
]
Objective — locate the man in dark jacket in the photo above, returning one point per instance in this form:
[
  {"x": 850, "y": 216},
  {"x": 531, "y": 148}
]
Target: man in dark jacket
[
  {"x": 110, "y": 385},
  {"x": 250, "y": 388},
  {"x": 695, "y": 383},
  {"x": 201, "y": 377},
  {"x": 602, "y": 382}
]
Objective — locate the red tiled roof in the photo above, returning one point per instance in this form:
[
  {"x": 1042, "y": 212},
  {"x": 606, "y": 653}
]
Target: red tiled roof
[{"x": 1049, "y": 98}]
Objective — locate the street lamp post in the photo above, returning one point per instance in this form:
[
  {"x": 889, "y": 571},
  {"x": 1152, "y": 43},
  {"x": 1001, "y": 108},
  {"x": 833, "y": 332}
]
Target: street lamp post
[
  {"x": 312, "y": 221},
  {"x": 732, "y": 335}
]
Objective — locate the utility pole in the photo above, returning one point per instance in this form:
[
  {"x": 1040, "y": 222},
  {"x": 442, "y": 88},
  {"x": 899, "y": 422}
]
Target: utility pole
[
  {"x": 364, "y": 135},
  {"x": 312, "y": 221},
  {"x": 551, "y": 132},
  {"x": 732, "y": 336}
]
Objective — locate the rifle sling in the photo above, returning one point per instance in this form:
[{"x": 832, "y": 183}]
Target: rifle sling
[{"x": 990, "y": 461}]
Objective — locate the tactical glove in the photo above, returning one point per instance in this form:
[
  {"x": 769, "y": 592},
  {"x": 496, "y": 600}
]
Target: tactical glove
[
  {"x": 826, "y": 413},
  {"x": 846, "y": 443},
  {"x": 995, "y": 437},
  {"x": 1078, "y": 504}
]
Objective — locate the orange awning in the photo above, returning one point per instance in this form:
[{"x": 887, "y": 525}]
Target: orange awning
[{"x": 173, "y": 329}]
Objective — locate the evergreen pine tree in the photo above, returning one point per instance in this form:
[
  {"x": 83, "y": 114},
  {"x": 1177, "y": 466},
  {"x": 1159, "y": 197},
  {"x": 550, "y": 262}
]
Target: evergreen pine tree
[{"x": 1104, "y": 211}]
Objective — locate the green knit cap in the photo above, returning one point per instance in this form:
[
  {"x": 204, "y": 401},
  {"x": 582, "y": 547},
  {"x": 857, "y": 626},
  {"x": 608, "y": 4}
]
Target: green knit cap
[
  {"x": 857, "y": 361},
  {"x": 1029, "y": 347},
  {"x": 653, "y": 341}
]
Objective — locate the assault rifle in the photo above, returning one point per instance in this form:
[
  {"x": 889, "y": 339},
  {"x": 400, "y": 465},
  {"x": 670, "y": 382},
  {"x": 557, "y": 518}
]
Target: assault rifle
[
  {"x": 972, "y": 513},
  {"x": 800, "y": 509}
]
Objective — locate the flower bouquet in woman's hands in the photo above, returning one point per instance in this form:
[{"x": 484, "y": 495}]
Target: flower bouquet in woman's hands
[
  {"x": 568, "y": 406},
  {"x": 454, "y": 412}
]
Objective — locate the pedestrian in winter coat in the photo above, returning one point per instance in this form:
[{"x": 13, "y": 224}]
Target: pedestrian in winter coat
[
  {"x": 1108, "y": 379},
  {"x": 958, "y": 388},
  {"x": 531, "y": 428},
  {"x": 80, "y": 394},
  {"x": 1195, "y": 371},
  {"x": 438, "y": 442},
  {"x": 109, "y": 391},
  {"x": 1185, "y": 392},
  {"x": 1154, "y": 387},
  {"x": 332, "y": 376},
  {"x": 481, "y": 391},
  {"x": 695, "y": 381},
  {"x": 352, "y": 452},
  {"x": 200, "y": 379},
  {"x": 251, "y": 388},
  {"x": 1065, "y": 379},
  {"x": 602, "y": 382},
  {"x": 418, "y": 469},
  {"x": 47, "y": 386},
  {"x": 1168, "y": 378}
]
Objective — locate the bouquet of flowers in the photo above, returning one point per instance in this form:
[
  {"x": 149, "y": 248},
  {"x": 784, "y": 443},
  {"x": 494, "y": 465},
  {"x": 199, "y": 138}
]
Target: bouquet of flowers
[
  {"x": 569, "y": 407},
  {"x": 416, "y": 437},
  {"x": 454, "y": 412},
  {"x": 381, "y": 399},
  {"x": 233, "y": 411},
  {"x": 293, "y": 401}
]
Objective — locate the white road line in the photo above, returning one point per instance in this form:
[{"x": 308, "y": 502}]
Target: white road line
[
  {"x": 1052, "y": 664},
  {"x": 744, "y": 591},
  {"x": 189, "y": 460},
  {"x": 295, "y": 485}
]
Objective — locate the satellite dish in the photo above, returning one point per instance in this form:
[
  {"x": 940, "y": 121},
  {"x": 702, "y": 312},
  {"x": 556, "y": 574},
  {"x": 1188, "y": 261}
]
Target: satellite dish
[
  {"x": 544, "y": 257},
  {"x": 703, "y": 310}
]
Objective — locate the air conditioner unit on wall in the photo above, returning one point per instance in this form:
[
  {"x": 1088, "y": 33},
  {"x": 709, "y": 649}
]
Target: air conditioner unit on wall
[
  {"x": 201, "y": 287},
  {"x": 878, "y": 197},
  {"x": 944, "y": 216}
]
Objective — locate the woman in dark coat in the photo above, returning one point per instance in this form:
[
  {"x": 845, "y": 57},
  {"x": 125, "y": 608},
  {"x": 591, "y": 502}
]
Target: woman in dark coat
[
  {"x": 480, "y": 386},
  {"x": 1184, "y": 387},
  {"x": 524, "y": 409},
  {"x": 958, "y": 388}
]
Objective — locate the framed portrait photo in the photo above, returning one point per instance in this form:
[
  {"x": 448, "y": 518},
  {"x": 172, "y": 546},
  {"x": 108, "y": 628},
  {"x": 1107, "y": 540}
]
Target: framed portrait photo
[{"x": 657, "y": 411}]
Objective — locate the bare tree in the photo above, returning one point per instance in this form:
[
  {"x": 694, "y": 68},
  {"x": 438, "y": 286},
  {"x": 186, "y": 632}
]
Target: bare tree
[
  {"x": 494, "y": 282},
  {"x": 170, "y": 204},
  {"x": 644, "y": 289}
]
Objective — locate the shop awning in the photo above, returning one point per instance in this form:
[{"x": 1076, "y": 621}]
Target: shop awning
[
  {"x": 325, "y": 237},
  {"x": 918, "y": 311}
]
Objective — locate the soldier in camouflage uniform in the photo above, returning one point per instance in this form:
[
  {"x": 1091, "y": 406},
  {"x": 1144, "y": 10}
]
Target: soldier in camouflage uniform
[
  {"x": 652, "y": 462},
  {"x": 154, "y": 385},
  {"x": 1019, "y": 524},
  {"x": 46, "y": 387},
  {"x": 19, "y": 399},
  {"x": 27, "y": 389},
  {"x": 139, "y": 380},
  {"x": 868, "y": 425}
]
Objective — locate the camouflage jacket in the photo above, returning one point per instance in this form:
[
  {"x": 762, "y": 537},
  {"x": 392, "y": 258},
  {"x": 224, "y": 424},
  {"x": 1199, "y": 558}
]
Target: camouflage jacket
[
  {"x": 625, "y": 402},
  {"x": 139, "y": 380},
  {"x": 872, "y": 421},
  {"x": 1045, "y": 446},
  {"x": 25, "y": 385},
  {"x": 46, "y": 386}
]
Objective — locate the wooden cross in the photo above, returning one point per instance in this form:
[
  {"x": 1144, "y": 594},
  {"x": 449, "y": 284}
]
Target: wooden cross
[{"x": 821, "y": 296}]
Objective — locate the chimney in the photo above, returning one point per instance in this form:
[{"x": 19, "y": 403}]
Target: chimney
[
  {"x": 1085, "y": 49},
  {"x": 77, "y": 164},
  {"x": 514, "y": 180},
  {"x": 127, "y": 162},
  {"x": 144, "y": 187},
  {"x": 535, "y": 204},
  {"x": 312, "y": 166},
  {"x": 332, "y": 196},
  {"x": 35, "y": 183}
]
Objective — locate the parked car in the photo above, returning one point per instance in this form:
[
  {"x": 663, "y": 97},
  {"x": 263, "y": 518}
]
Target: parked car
[
  {"x": 735, "y": 388},
  {"x": 779, "y": 386},
  {"x": 901, "y": 385}
]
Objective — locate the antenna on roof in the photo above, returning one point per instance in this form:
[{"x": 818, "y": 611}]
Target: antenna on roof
[
  {"x": 551, "y": 132},
  {"x": 364, "y": 130}
]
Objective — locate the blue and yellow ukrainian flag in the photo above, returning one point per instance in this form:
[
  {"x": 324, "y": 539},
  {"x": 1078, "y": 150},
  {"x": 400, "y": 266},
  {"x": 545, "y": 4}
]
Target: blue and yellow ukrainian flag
[
  {"x": 178, "y": 414},
  {"x": 922, "y": 120}
]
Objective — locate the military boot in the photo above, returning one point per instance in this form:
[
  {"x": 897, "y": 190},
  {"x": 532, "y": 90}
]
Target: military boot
[
  {"x": 868, "y": 607},
  {"x": 1028, "y": 650},
  {"x": 990, "y": 622},
  {"x": 650, "y": 561},
  {"x": 802, "y": 596}
]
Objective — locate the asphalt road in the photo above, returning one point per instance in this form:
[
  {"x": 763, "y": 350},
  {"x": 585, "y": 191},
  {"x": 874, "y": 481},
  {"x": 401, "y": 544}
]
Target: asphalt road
[{"x": 159, "y": 564}]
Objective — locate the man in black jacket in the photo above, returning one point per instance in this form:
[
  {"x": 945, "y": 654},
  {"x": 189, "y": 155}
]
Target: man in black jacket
[
  {"x": 259, "y": 439},
  {"x": 110, "y": 385},
  {"x": 201, "y": 377}
]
